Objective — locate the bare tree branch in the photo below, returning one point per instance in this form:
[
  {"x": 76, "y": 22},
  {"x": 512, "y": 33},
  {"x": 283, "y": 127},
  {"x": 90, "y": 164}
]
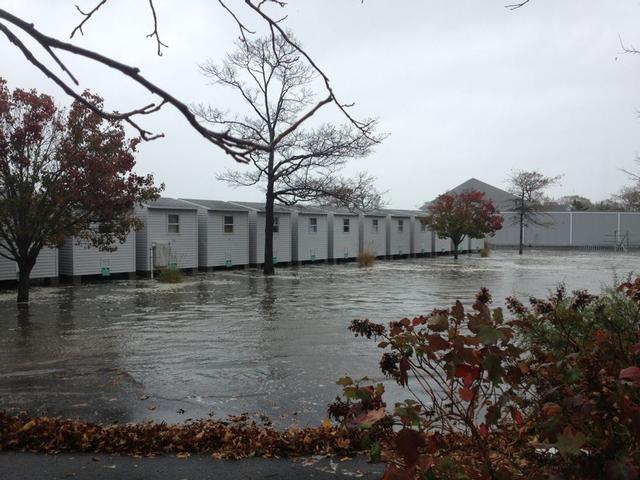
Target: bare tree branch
[
  {"x": 155, "y": 30},
  {"x": 87, "y": 17},
  {"x": 239, "y": 148},
  {"x": 515, "y": 6}
]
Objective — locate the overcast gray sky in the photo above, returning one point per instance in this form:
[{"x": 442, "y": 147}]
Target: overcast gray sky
[{"x": 465, "y": 89}]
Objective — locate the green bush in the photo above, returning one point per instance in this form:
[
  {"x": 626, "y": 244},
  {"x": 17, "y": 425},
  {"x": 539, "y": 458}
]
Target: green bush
[
  {"x": 170, "y": 275},
  {"x": 366, "y": 258}
]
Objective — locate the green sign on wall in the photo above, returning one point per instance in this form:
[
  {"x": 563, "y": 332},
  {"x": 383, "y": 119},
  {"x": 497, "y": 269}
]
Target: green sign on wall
[
  {"x": 275, "y": 259},
  {"x": 228, "y": 263},
  {"x": 105, "y": 271},
  {"x": 173, "y": 265},
  {"x": 313, "y": 258}
]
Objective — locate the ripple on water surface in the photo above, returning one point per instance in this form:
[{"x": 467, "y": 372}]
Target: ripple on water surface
[{"x": 235, "y": 341}]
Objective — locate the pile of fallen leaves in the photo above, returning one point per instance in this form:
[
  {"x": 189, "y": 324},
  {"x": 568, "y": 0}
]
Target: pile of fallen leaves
[{"x": 233, "y": 439}]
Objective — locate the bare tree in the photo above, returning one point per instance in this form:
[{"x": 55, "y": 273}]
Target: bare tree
[
  {"x": 293, "y": 164},
  {"x": 529, "y": 187},
  {"x": 237, "y": 147}
]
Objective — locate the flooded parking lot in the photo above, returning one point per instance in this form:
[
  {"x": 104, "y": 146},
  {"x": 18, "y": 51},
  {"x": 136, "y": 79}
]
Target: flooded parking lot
[{"x": 233, "y": 341}]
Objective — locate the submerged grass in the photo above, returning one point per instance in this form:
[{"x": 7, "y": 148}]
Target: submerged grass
[
  {"x": 366, "y": 258},
  {"x": 485, "y": 249},
  {"x": 170, "y": 275}
]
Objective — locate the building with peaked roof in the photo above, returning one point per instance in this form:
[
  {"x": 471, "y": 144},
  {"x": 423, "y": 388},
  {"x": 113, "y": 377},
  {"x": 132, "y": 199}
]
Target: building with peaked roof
[
  {"x": 223, "y": 233},
  {"x": 399, "y": 233},
  {"x": 309, "y": 234},
  {"x": 501, "y": 199},
  {"x": 421, "y": 237},
  {"x": 344, "y": 234},
  {"x": 169, "y": 235},
  {"x": 281, "y": 232},
  {"x": 373, "y": 233}
]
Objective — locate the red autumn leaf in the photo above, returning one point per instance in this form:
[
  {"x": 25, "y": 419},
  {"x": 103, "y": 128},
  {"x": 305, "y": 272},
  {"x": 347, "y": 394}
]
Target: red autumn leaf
[
  {"x": 425, "y": 462},
  {"x": 466, "y": 394},
  {"x": 407, "y": 443},
  {"x": 404, "y": 368},
  {"x": 484, "y": 431},
  {"x": 438, "y": 322},
  {"x": 371, "y": 417},
  {"x": 457, "y": 311},
  {"x": 601, "y": 336},
  {"x": 394, "y": 473},
  {"x": 437, "y": 343},
  {"x": 636, "y": 348},
  {"x": 468, "y": 373},
  {"x": 517, "y": 416},
  {"x": 630, "y": 374}
]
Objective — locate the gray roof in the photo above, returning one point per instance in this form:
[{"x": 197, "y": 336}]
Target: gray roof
[
  {"x": 500, "y": 198},
  {"x": 343, "y": 211},
  {"x": 259, "y": 207},
  {"x": 309, "y": 210},
  {"x": 397, "y": 213},
  {"x": 375, "y": 213},
  {"x": 217, "y": 205},
  {"x": 413, "y": 213},
  {"x": 169, "y": 204}
]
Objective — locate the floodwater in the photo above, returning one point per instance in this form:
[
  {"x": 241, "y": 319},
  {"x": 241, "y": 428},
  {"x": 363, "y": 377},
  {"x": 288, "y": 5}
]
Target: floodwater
[{"x": 233, "y": 341}]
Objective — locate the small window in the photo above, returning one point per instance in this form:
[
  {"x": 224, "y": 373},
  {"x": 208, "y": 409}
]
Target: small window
[
  {"x": 173, "y": 223},
  {"x": 228, "y": 224},
  {"x": 345, "y": 225},
  {"x": 423, "y": 227},
  {"x": 400, "y": 225},
  {"x": 313, "y": 225},
  {"x": 374, "y": 225},
  {"x": 276, "y": 225}
]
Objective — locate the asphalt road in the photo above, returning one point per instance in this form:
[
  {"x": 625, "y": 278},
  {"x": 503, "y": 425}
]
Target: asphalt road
[{"x": 29, "y": 466}]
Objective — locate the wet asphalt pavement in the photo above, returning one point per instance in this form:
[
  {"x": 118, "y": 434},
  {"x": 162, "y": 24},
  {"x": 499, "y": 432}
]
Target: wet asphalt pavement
[{"x": 28, "y": 466}]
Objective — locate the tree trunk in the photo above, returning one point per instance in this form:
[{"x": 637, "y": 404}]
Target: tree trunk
[
  {"x": 455, "y": 250},
  {"x": 521, "y": 243},
  {"x": 268, "y": 222},
  {"x": 23, "y": 280}
]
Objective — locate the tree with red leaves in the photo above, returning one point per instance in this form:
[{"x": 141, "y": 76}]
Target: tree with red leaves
[
  {"x": 467, "y": 214},
  {"x": 63, "y": 173}
]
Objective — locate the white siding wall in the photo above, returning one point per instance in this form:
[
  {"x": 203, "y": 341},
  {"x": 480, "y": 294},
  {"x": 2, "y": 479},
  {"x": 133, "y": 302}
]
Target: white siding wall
[
  {"x": 183, "y": 245},
  {"x": 399, "y": 242},
  {"x": 442, "y": 244},
  {"x": 476, "y": 243},
  {"x": 307, "y": 243},
  {"x": 203, "y": 236},
  {"x": 422, "y": 241},
  {"x": 83, "y": 259},
  {"x": 281, "y": 240},
  {"x": 142, "y": 243},
  {"x": 221, "y": 246},
  {"x": 371, "y": 240},
  {"x": 344, "y": 244},
  {"x": 46, "y": 266}
]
